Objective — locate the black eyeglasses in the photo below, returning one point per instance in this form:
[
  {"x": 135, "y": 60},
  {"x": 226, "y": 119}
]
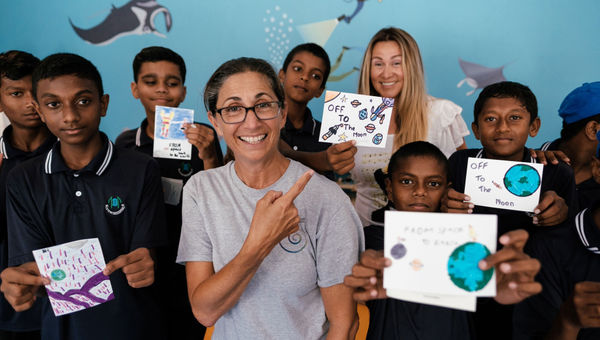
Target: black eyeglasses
[{"x": 237, "y": 114}]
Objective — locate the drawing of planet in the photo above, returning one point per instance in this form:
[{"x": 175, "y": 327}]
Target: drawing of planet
[
  {"x": 58, "y": 275},
  {"x": 522, "y": 180},
  {"x": 370, "y": 128},
  {"x": 416, "y": 264},
  {"x": 362, "y": 114},
  {"x": 377, "y": 139},
  {"x": 463, "y": 267},
  {"x": 355, "y": 103},
  {"x": 331, "y": 95},
  {"x": 398, "y": 251}
]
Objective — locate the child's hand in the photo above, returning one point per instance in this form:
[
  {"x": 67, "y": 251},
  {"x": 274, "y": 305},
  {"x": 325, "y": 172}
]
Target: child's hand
[
  {"x": 552, "y": 156},
  {"x": 551, "y": 210},
  {"x": 581, "y": 309},
  {"x": 1, "y": 159},
  {"x": 456, "y": 202},
  {"x": 203, "y": 138},
  {"x": 341, "y": 156},
  {"x": 515, "y": 270},
  {"x": 367, "y": 276},
  {"x": 20, "y": 285},
  {"x": 138, "y": 267}
]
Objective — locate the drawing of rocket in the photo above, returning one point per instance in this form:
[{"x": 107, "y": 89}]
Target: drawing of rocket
[{"x": 332, "y": 131}]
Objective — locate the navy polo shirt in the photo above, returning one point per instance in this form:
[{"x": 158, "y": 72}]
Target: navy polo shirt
[
  {"x": 564, "y": 263},
  {"x": 396, "y": 319},
  {"x": 9, "y": 319},
  {"x": 492, "y": 318},
  {"x": 306, "y": 138},
  {"x": 117, "y": 198},
  {"x": 171, "y": 280},
  {"x": 588, "y": 190}
]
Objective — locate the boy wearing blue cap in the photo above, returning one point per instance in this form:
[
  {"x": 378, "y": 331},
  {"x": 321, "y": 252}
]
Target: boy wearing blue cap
[{"x": 580, "y": 112}]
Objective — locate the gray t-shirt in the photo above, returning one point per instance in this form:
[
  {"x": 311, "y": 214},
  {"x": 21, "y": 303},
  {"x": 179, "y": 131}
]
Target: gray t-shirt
[{"x": 283, "y": 300}]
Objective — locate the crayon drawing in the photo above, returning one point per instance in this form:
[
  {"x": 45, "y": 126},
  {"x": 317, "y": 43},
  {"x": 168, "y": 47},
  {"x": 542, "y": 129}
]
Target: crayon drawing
[
  {"x": 75, "y": 270},
  {"x": 169, "y": 138}
]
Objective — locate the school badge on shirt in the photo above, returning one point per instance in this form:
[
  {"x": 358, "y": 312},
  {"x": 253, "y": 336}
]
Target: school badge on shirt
[{"x": 114, "y": 205}]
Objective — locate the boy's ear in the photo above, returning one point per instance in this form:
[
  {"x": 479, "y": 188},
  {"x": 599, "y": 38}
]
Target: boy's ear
[
  {"x": 134, "y": 90},
  {"x": 475, "y": 129},
  {"x": 281, "y": 76},
  {"x": 283, "y": 116},
  {"x": 104, "y": 104},
  {"x": 36, "y": 107},
  {"x": 388, "y": 189},
  {"x": 213, "y": 120},
  {"x": 590, "y": 129},
  {"x": 534, "y": 127},
  {"x": 184, "y": 93}
]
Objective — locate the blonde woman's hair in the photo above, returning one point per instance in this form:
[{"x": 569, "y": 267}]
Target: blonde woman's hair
[{"x": 411, "y": 103}]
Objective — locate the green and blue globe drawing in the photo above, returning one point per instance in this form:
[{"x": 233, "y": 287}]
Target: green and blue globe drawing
[
  {"x": 58, "y": 275},
  {"x": 463, "y": 267},
  {"x": 522, "y": 180}
]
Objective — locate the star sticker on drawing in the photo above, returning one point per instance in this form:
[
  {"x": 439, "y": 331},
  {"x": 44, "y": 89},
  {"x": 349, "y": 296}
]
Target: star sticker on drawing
[
  {"x": 342, "y": 137},
  {"x": 343, "y": 99}
]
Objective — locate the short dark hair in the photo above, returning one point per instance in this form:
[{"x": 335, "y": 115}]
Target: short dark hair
[
  {"x": 417, "y": 149},
  {"x": 313, "y": 49},
  {"x": 569, "y": 131},
  {"x": 62, "y": 64},
  {"x": 235, "y": 66},
  {"x": 507, "y": 89},
  {"x": 154, "y": 54},
  {"x": 15, "y": 65}
]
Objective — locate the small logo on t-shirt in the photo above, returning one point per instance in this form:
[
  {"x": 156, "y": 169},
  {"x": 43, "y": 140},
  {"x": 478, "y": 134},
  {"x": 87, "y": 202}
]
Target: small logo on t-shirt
[
  {"x": 295, "y": 242},
  {"x": 185, "y": 169},
  {"x": 114, "y": 205}
]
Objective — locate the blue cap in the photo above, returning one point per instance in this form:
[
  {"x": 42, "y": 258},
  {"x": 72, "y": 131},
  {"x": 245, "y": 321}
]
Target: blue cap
[{"x": 581, "y": 103}]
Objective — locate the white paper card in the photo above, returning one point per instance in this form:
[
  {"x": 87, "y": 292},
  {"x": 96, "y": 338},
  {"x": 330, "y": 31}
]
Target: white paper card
[
  {"x": 467, "y": 303},
  {"x": 504, "y": 184},
  {"x": 350, "y": 116},
  {"x": 169, "y": 139},
  {"x": 172, "y": 190},
  {"x": 75, "y": 271},
  {"x": 438, "y": 253}
]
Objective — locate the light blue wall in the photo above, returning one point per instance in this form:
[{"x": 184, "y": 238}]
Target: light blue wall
[{"x": 552, "y": 46}]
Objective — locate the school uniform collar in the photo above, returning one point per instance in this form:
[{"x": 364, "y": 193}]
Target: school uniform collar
[
  {"x": 308, "y": 126},
  {"x": 588, "y": 232},
  {"x": 526, "y": 156},
  {"x": 551, "y": 145},
  {"x": 8, "y": 150},
  {"x": 141, "y": 137},
  {"x": 54, "y": 162}
]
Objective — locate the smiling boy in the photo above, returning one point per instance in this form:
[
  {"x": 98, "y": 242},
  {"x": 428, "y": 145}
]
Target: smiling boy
[{"x": 60, "y": 196}]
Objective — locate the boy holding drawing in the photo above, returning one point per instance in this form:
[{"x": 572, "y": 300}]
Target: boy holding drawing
[
  {"x": 84, "y": 188},
  {"x": 159, "y": 77},
  {"x": 417, "y": 180}
]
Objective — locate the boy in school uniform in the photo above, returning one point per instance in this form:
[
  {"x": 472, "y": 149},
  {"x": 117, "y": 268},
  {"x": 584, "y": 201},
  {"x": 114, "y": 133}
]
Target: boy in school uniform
[
  {"x": 580, "y": 113},
  {"x": 416, "y": 181},
  {"x": 159, "y": 77},
  {"x": 303, "y": 76},
  {"x": 84, "y": 187},
  {"x": 26, "y": 137},
  {"x": 505, "y": 116}
]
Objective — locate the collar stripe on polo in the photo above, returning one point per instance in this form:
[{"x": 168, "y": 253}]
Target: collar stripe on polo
[
  {"x": 545, "y": 146},
  {"x": 107, "y": 158},
  {"x": 579, "y": 227},
  {"x": 3, "y": 148},
  {"x": 480, "y": 155},
  {"x": 48, "y": 163},
  {"x": 138, "y": 137}
]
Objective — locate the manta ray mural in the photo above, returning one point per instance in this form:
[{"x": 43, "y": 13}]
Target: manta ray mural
[
  {"x": 135, "y": 17},
  {"x": 479, "y": 76}
]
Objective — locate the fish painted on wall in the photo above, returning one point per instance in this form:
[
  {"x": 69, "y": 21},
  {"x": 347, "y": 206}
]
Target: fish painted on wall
[
  {"x": 135, "y": 17},
  {"x": 479, "y": 76}
]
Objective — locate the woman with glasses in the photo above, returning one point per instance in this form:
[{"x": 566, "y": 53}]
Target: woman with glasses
[{"x": 266, "y": 242}]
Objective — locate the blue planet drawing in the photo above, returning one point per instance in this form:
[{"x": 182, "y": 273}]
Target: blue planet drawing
[
  {"x": 463, "y": 267},
  {"x": 362, "y": 114},
  {"x": 58, "y": 275},
  {"x": 522, "y": 180},
  {"x": 377, "y": 139},
  {"x": 398, "y": 251}
]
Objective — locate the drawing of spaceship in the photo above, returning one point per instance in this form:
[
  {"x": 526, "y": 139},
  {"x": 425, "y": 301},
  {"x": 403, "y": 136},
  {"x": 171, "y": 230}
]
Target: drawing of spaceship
[
  {"x": 479, "y": 76},
  {"x": 332, "y": 131},
  {"x": 135, "y": 17},
  {"x": 378, "y": 112}
]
